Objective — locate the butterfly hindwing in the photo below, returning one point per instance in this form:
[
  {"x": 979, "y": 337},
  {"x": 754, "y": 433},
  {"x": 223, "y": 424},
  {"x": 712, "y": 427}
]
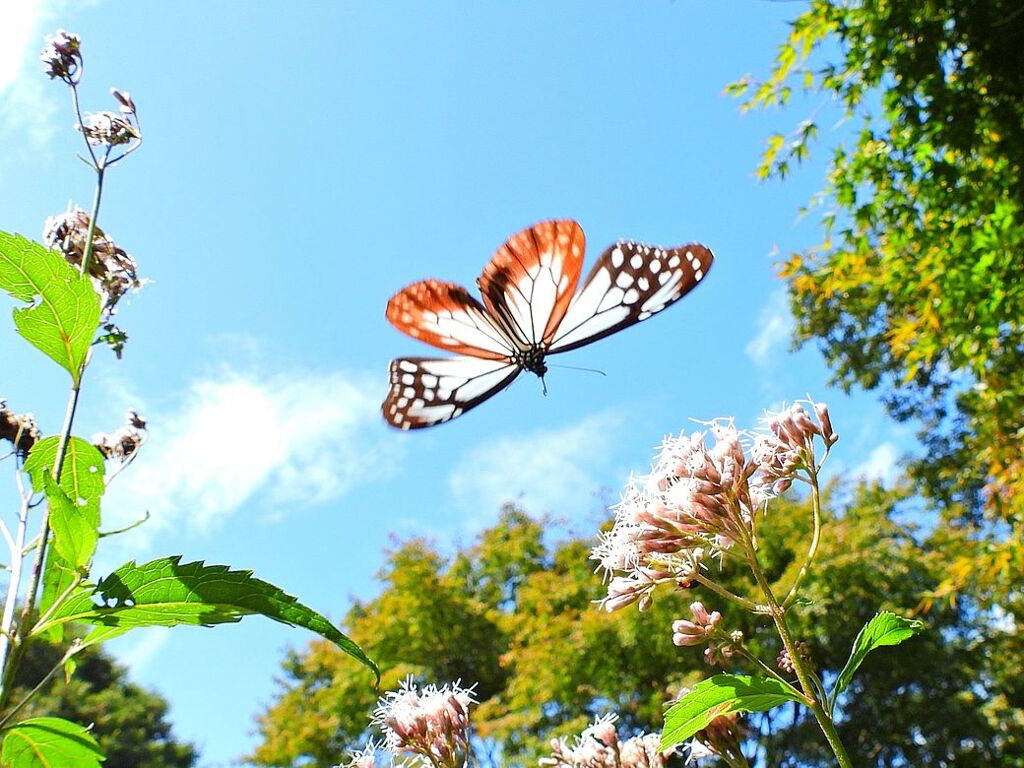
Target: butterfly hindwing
[
  {"x": 529, "y": 283},
  {"x": 425, "y": 391},
  {"x": 445, "y": 315},
  {"x": 629, "y": 283}
]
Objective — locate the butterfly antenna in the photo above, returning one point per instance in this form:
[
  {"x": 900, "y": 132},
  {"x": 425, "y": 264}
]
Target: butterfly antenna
[{"x": 577, "y": 368}]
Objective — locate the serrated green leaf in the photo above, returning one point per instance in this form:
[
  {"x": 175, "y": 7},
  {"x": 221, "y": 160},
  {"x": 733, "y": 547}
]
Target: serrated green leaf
[
  {"x": 717, "y": 696},
  {"x": 66, "y": 307},
  {"x": 49, "y": 742},
  {"x": 165, "y": 592},
  {"x": 886, "y": 628},
  {"x": 74, "y": 533}
]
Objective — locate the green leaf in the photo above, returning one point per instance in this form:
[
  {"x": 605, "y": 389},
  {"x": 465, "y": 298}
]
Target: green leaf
[
  {"x": 75, "y": 505},
  {"x": 58, "y": 576},
  {"x": 81, "y": 476},
  {"x": 886, "y": 628},
  {"x": 49, "y": 742},
  {"x": 717, "y": 696},
  {"x": 74, "y": 533},
  {"x": 165, "y": 592},
  {"x": 66, "y": 308}
]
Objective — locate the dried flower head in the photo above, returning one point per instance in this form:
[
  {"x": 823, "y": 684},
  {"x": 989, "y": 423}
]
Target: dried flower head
[
  {"x": 112, "y": 269},
  {"x": 19, "y": 429},
  {"x": 123, "y": 444},
  {"x": 62, "y": 56},
  {"x": 431, "y": 726},
  {"x": 109, "y": 129},
  {"x": 125, "y": 100}
]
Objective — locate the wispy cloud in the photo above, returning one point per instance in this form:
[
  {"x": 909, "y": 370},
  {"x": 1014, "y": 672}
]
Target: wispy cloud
[
  {"x": 882, "y": 464},
  {"x": 143, "y": 646},
  {"x": 279, "y": 441},
  {"x": 27, "y": 108},
  {"x": 775, "y": 327},
  {"x": 547, "y": 470}
]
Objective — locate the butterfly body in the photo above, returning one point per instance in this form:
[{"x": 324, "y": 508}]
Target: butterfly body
[{"x": 530, "y": 310}]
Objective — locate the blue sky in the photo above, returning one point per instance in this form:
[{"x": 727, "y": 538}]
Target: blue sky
[{"x": 304, "y": 161}]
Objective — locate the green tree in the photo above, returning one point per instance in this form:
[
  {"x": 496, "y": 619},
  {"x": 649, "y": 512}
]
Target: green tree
[
  {"x": 129, "y": 722},
  {"x": 915, "y": 288},
  {"x": 515, "y": 611}
]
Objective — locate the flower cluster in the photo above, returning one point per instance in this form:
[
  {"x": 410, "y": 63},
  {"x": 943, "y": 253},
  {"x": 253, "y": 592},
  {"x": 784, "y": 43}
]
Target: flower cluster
[
  {"x": 599, "y": 746},
  {"x": 62, "y": 56},
  {"x": 122, "y": 445},
  {"x": 721, "y": 739},
  {"x": 701, "y": 500},
  {"x": 112, "y": 129},
  {"x": 785, "y": 662},
  {"x": 19, "y": 429},
  {"x": 112, "y": 269},
  {"x": 431, "y": 725}
]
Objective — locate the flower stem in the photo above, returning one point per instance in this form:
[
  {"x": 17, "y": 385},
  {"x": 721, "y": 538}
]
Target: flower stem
[
  {"x": 811, "y": 698},
  {"x": 14, "y": 584},
  {"x": 24, "y": 624},
  {"x": 75, "y": 648},
  {"x": 11, "y": 663},
  {"x": 750, "y": 605},
  {"x": 812, "y": 550}
]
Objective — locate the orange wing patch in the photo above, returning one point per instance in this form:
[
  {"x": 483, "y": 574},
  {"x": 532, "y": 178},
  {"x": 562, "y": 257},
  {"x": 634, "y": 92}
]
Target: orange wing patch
[
  {"x": 528, "y": 284},
  {"x": 446, "y": 316}
]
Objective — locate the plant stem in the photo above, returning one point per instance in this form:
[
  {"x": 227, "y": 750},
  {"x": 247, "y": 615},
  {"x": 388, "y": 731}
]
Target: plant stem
[
  {"x": 812, "y": 550},
  {"x": 97, "y": 197},
  {"x": 17, "y": 561},
  {"x": 778, "y": 614},
  {"x": 18, "y": 647},
  {"x": 17, "y": 644},
  {"x": 750, "y": 605},
  {"x": 75, "y": 648}
]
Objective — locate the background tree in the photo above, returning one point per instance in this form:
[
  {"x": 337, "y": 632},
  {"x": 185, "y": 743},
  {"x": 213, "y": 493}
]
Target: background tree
[
  {"x": 915, "y": 288},
  {"x": 129, "y": 722},
  {"x": 515, "y": 611}
]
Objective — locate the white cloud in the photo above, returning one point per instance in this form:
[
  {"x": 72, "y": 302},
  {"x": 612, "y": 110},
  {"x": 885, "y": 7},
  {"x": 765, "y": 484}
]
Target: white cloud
[
  {"x": 548, "y": 470},
  {"x": 142, "y": 648},
  {"x": 775, "y": 323},
  {"x": 280, "y": 441},
  {"x": 882, "y": 464},
  {"x": 27, "y": 109}
]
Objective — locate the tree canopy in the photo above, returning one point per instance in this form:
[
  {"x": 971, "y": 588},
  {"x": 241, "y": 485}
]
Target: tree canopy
[
  {"x": 915, "y": 288},
  {"x": 515, "y": 613},
  {"x": 130, "y": 722}
]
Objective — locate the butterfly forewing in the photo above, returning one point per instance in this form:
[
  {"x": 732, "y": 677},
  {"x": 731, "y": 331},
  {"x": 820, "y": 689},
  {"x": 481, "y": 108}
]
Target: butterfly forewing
[
  {"x": 529, "y": 283},
  {"x": 445, "y": 315},
  {"x": 427, "y": 391},
  {"x": 629, "y": 283}
]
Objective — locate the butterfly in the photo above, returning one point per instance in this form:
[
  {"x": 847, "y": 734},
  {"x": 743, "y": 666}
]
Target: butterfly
[{"x": 530, "y": 310}]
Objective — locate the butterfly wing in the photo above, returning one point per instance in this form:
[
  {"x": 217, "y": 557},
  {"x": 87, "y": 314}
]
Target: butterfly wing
[
  {"x": 629, "y": 283},
  {"x": 445, "y": 315},
  {"x": 529, "y": 283},
  {"x": 427, "y": 391}
]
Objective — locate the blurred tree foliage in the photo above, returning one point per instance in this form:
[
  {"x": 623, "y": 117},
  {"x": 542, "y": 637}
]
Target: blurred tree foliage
[
  {"x": 129, "y": 722},
  {"x": 515, "y": 612},
  {"x": 916, "y": 288}
]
